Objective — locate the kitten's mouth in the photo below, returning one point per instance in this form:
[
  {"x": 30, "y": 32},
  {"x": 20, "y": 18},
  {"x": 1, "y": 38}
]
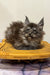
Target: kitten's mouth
[{"x": 30, "y": 38}]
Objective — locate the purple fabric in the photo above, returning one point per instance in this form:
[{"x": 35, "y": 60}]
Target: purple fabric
[{"x": 25, "y": 69}]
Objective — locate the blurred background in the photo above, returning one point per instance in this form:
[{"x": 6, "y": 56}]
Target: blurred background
[{"x": 14, "y": 10}]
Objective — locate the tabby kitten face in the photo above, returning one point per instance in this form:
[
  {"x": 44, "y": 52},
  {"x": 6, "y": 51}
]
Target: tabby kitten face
[{"x": 32, "y": 31}]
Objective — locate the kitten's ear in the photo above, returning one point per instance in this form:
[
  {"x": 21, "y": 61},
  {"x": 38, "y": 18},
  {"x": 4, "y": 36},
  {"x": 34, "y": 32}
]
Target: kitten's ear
[
  {"x": 41, "y": 23},
  {"x": 27, "y": 20}
]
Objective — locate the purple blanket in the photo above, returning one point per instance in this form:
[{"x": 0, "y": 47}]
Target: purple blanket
[{"x": 26, "y": 69}]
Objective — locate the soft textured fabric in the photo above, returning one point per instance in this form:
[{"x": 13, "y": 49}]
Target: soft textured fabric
[{"x": 26, "y": 69}]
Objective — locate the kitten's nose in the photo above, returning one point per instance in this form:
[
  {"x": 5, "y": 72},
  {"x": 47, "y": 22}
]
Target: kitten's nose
[{"x": 32, "y": 35}]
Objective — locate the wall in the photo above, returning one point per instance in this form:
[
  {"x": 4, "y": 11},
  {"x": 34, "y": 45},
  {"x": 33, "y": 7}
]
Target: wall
[{"x": 13, "y": 10}]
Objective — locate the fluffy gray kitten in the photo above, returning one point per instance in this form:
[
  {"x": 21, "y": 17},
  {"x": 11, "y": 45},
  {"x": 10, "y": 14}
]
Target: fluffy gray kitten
[{"x": 25, "y": 36}]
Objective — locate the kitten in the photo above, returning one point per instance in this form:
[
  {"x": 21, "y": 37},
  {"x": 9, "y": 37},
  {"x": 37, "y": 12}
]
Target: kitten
[{"x": 25, "y": 36}]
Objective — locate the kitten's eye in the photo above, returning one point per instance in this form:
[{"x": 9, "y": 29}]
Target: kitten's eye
[
  {"x": 34, "y": 30},
  {"x": 27, "y": 29}
]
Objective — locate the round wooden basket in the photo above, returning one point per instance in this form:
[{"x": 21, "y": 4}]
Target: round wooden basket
[{"x": 7, "y": 51}]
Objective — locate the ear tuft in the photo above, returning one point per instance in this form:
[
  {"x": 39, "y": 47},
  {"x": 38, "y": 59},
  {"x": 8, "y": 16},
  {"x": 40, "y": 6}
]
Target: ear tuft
[
  {"x": 27, "y": 20},
  {"x": 41, "y": 23}
]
